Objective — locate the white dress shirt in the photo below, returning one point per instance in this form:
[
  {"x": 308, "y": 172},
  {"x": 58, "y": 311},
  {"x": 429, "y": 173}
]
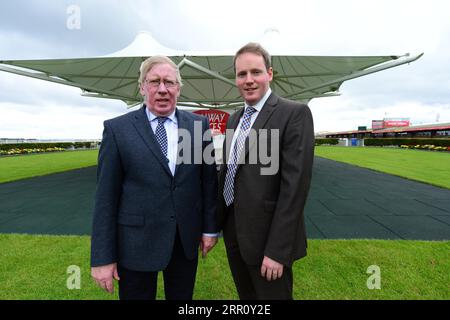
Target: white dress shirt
[{"x": 171, "y": 126}]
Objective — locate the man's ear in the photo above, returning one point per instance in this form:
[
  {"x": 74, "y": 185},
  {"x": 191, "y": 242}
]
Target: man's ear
[
  {"x": 270, "y": 72},
  {"x": 141, "y": 90}
]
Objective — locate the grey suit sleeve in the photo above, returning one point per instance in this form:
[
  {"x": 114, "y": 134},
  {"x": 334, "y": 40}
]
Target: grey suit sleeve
[
  {"x": 209, "y": 185},
  {"x": 297, "y": 153},
  {"x": 109, "y": 184}
]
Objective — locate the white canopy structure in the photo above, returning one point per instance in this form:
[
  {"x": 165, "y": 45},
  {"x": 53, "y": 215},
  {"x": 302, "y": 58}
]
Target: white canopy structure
[{"x": 208, "y": 77}]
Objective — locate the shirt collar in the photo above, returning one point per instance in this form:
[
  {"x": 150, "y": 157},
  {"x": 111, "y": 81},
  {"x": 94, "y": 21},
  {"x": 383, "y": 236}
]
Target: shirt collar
[
  {"x": 152, "y": 116},
  {"x": 261, "y": 102}
]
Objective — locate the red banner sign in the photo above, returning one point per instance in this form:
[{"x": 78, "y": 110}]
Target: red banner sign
[
  {"x": 217, "y": 120},
  {"x": 396, "y": 123}
]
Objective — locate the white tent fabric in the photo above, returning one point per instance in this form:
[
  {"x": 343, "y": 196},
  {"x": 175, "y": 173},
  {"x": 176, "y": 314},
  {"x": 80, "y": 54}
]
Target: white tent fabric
[{"x": 208, "y": 78}]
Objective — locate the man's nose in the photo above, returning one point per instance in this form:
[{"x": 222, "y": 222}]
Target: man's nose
[
  {"x": 162, "y": 87},
  {"x": 249, "y": 78}
]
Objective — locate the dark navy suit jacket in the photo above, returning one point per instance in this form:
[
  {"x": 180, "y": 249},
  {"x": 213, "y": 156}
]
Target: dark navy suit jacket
[{"x": 139, "y": 204}]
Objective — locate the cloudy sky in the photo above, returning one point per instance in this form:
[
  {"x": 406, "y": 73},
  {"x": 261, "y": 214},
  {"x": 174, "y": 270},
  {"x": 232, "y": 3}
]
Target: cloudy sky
[{"x": 32, "y": 29}]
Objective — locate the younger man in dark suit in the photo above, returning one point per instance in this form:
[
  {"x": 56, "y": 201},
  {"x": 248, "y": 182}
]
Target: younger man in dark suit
[{"x": 261, "y": 212}]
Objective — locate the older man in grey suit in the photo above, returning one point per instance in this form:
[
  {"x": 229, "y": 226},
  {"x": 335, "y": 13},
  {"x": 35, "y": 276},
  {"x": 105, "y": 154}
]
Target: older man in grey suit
[{"x": 154, "y": 206}]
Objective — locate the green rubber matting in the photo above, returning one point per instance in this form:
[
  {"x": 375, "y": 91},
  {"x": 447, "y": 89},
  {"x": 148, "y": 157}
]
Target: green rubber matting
[{"x": 345, "y": 202}]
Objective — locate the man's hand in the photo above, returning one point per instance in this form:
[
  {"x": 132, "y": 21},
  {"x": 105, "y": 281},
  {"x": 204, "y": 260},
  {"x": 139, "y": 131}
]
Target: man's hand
[
  {"x": 207, "y": 244},
  {"x": 104, "y": 275},
  {"x": 270, "y": 269}
]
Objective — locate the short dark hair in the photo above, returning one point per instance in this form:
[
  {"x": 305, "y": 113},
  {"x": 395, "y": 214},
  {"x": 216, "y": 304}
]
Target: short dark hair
[{"x": 256, "y": 48}]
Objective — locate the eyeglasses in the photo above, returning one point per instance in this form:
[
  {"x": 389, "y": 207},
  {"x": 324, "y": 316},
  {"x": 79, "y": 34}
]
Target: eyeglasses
[{"x": 156, "y": 83}]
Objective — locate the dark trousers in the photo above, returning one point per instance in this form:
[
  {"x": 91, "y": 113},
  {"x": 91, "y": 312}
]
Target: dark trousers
[
  {"x": 179, "y": 279},
  {"x": 249, "y": 283}
]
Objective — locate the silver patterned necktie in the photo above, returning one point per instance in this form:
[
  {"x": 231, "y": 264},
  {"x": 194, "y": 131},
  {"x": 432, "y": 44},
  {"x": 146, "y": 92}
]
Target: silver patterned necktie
[
  {"x": 228, "y": 190},
  {"x": 161, "y": 134}
]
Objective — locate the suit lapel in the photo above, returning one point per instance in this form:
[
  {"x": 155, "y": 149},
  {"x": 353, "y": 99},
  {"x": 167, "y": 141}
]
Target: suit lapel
[
  {"x": 144, "y": 129},
  {"x": 183, "y": 123},
  {"x": 261, "y": 120},
  {"x": 232, "y": 125},
  {"x": 234, "y": 119},
  {"x": 265, "y": 113}
]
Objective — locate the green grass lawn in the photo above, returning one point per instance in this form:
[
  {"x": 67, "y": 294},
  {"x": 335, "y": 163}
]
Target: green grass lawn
[
  {"x": 27, "y": 166},
  {"x": 425, "y": 166},
  {"x": 35, "y": 267}
]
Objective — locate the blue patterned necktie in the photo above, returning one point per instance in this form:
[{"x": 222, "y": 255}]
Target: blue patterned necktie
[
  {"x": 161, "y": 134},
  {"x": 228, "y": 190}
]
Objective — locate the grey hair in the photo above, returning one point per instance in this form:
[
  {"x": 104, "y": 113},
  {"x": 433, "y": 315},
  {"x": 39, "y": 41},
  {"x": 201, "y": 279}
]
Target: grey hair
[{"x": 149, "y": 63}]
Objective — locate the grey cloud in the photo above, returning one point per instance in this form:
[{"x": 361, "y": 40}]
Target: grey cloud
[
  {"x": 18, "y": 89},
  {"x": 31, "y": 29},
  {"x": 106, "y": 26},
  {"x": 34, "y": 95},
  {"x": 425, "y": 81}
]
